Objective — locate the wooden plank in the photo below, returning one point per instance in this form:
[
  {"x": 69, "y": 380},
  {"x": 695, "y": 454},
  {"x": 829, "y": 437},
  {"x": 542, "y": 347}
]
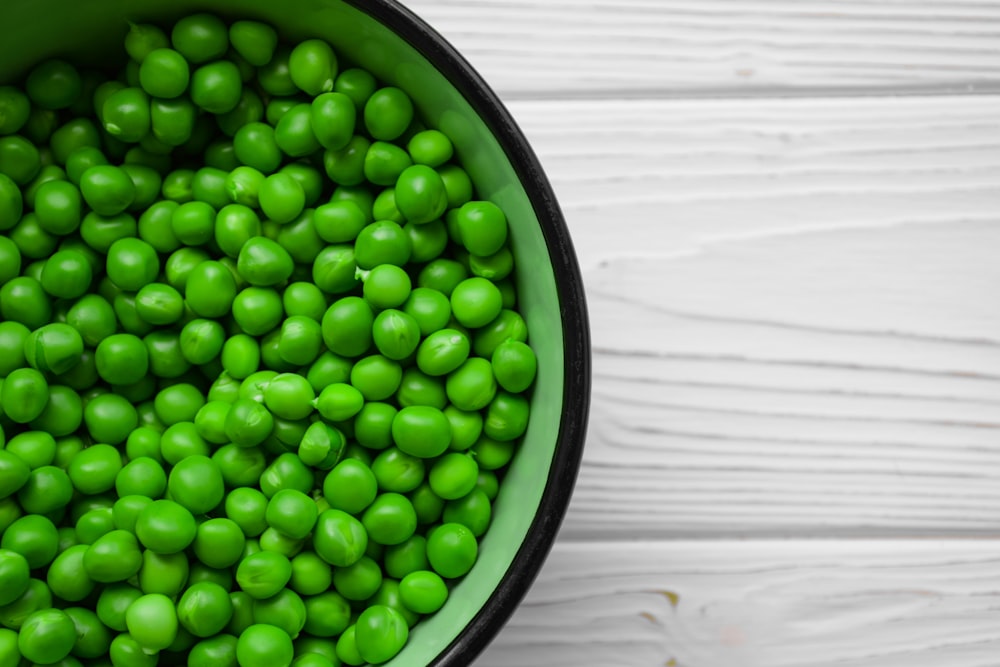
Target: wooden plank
[
  {"x": 793, "y": 312},
  {"x": 612, "y": 48},
  {"x": 796, "y": 603}
]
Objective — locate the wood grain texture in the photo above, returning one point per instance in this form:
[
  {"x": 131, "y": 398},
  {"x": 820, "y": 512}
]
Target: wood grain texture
[
  {"x": 793, "y": 313},
  {"x": 795, "y": 603},
  {"x": 614, "y": 48}
]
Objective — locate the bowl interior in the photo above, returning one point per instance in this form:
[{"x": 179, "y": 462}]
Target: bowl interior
[{"x": 89, "y": 32}]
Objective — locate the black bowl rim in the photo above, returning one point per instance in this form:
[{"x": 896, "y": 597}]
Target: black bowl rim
[{"x": 573, "y": 313}]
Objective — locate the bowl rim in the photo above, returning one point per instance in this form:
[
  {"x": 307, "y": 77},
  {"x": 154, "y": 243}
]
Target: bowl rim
[{"x": 568, "y": 454}]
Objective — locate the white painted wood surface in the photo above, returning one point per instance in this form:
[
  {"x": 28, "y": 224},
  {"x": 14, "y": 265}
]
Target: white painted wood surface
[{"x": 788, "y": 216}]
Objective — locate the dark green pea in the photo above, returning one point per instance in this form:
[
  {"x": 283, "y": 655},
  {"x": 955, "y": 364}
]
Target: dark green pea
[
  {"x": 329, "y": 368},
  {"x": 277, "y": 107},
  {"x": 200, "y": 37},
  {"x": 164, "y": 73},
  {"x": 23, "y": 300},
  {"x": 397, "y": 471},
  {"x": 67, "y": 578},
  {"x": 92, "y": 637},
  {"x": 275, "y": 77},
  {"x": 406, "y": 557},
  {"x": 166, "y": 360},
  {"x": 32, "y": 240},
  {"x": 220, "y": 154},
  {"x": 300, "y": 239},
  {"x": 386, "y": 286},
  {"x": 255, "y": 146},
  {"x": 148, "y": 183},
  {"x": 71, "y": 136},
  {"x": 122, "y": 359},
  {"x": 40, "y": 126},
  {"x": 47, "y": 174},
  {"x": 15, "y": 108},
  {"x": 263, "y": 574},
  {"x": 506, "y": 416},
  {"x": 93, "y": 525},
  {"x": 217, "y": 651},
  {"x": 24, "y": 394},
  {"x": 242, "y": 609},
  {"x": 113, "y": 557},
  {"x": 53, "y": 84},
  {"x": 359, "y": 580},
  {"x": 177, "y": 185},
  {"x": 108, "y": 190},
  {"x": 54, "y": 348},
  {"x": 46, "y": 636},
  {"x": 19, "y": 159},
  {"x": 373, "y": 425},
  {"x": 125, "y": 650},
  {"x": 217, "y": 87},
  {"x": 385, "y": 162},
  {"x": 48, "y": 489},
  {"x": 193, "y": 223},
  {"x": 11, "y": 203},
  {"x": 172, "y": 121},
  {"x": 428, "y": 240},
  {"x": 210, "y": 290},
  {"x": 253, "y": 40},
  {"x": 347, "y": 326},
  {"x": 339, "y": 538},
  {"x": 95, "y": 469},
  {"x": 257, "y": 310},
  {"x": 243, "y": 186},
  {"x": 493, "y": 454},
  {"x": 358, "y": 84},
  {"x": 165, "y": 527},
  {"x": 83, "y": 376},
  {"x": 166, "y": 574},
  {"x": 388, "y": 113},
  {"x": 12, "y": 338},
  {"x": 382, "y": 242},
  {"x": 58, "y": 206},
  {"x": 202, "y": 340},
  {"x": 346, "y": 165},
  {"x": 205, "y": 609},
  {"x": 294, "y": 132},
  {"x": 417, "y": 388},
  {"x": 80, "y": 160},
  {"x": 209, "y": 187},
  {"x": 495, "y": 267},
  {"x": 112, "y": 603},
  {"x": 126, "y": 114},
  {"x": 142, "y": 38},
  {"x": 240, "y": 466}
]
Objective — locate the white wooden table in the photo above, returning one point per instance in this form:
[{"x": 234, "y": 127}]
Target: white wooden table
[{"x": 788, "y": 217}]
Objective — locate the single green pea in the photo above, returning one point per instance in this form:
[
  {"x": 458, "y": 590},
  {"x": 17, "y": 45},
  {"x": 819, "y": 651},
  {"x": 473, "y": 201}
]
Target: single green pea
[
  {"x": 113, "y": 602},
  {"x": 335, "y": 270},
  {"x": 178, "y": 402},
  {"x": 54, "y": 348},
  {"x": 246, "y": 506},
  {"x": 152, "y": 621},
  {"x": 210, "y": 421},
  {"x": 321, "y": 446},
  {"x": 154, "y": 226},
  {"x": 46, "y": 636},
  {"x": 249, "y": 109},
  {"x": 15, "y": 107},
  {"x": 240, "y": 466},
  {"x": 312, "y": 66},
  {"x": 32, "y": 240},
  {"x": 388, "y": 113},
  {"x": 289, "y": 396},
  {"x": 80, "y": 160},
  {"x": 23, "y": 300},
  {"x": 255, "y": 146},
  {"x": 19, "y": 159},
  {"x": 333, "y": 117},
  {"x": 142, "y": 38},
  {"x": 159, "y": 304},
  {"x": 180, "y": 441},
  {"x": 495, "y": 267},
  {"x": 285, "y": 610},
  {"x": 217, "y": 87},
  {"x": 443, "y": 275},
  {"x": 350, "y": 486},
  {"x": 347, "y": 326},
  {"x": 277, "y": 107},
  {"x": 507, "y": 326},
  {"x": 67, "y": 578},
  {"x": 164, "y": 73},
  {"x": 376, "y": 376},
  {"x": 473, "y": 510},
  {"x": 359, "y": 580},
  {"x": 262, "y": 645},
  {"x": 14, "y": 473},
  {"x": 257, "y": 310},
  {"x": 294, "y": 132},
  {"x": 126, "y": 114},
  {"x": 387, "y": 286},
  {"x": 263, "y": 574},
  {"x": 422, "y": 431},
  {"x": 380, "y": 633},
  {"x": 204, "y": 609},
  {"x": 382, "y": 242},
  {"x": 14, "y": 575},
  {"x": 12, "y": 338},
  {"x": 346, "y": 166},
  {"x": 339, "y": 538},
  {"x": 398, "y": 472},
  {"x": 126, "y": 509},
  {"x": 428, "y": 240},
  {"x": 241, "y": 356},
  {"x": 219, "y": 543},
  {"x": 49, "y": 173},
  {"x": 396, "y": 335},
  {"x": 63, "y": 414},
  {"x": 420, "y": 194},
  {"x": 196, "y": 484},
  {"x": 347, "y": 648},
  {"x": 418, "y": 388},
  {"x": 373, "y": 425},
  {"x": 125, "y": 650},
  {"x": 53, "y": 84},
  {"x": 385, "y": 162},
  {"x": 453, "y": 476},
  {"x": 181, "y": 264},
  {"x": 483, "y": 227},
  {"x": 514, "y": 365},
  {"x": 263, "y": 262},
  {"x": 281, "y": 197},
  {"x": 384, "y": 207},
  {"x": 193, "y": 223},
  {"x": 217, "y": 651},
  {"x": 202, "y": 341},
  {"x": 311, "y": 576},
  {"x": 95, "y": 469},
  {"x": 93, "y": 639},
  {"x": 35, "y": 448},
  {"x": 122, "y": 359},
  {"x": 327, "y": 613},
  {"x": 430, "y": 147},
  {"x": 24, "y": 394},
  {"x": 200, "y": 37},
  {"x": 11, "y": 202},
  {"x": 358, "y": 84},
  {"x": 452, "y": 550},
  {"x": 58, "y": 206},
  {"x": 253, "y": 40},
  {"x": 35, "y": 597},
  {"x": 165, "y": 357},
  {"x": 93, "y": 525},
  {"x": 475, "y": 302},
  {"x": 209, "y": 187},
  {"x": 275, "y": 77},
  {"x": 165, "y": 527},
  {"x": 339, "y": 402},
  {"x": 390, "y": 519},
  {"x": 172, "y": 121},
  {"x": 287, "y": 471},
  {"x": 424, "y": 592},
  {"x": 210, "y": 289},
  {"x": 113, "y": 557},
  {"x": 493, "y": 454},
  {"x": 443, "y": 351}
]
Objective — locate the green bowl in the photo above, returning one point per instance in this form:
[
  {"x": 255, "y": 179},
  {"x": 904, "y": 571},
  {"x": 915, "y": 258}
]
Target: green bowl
[{"x": 402, "y": 50}]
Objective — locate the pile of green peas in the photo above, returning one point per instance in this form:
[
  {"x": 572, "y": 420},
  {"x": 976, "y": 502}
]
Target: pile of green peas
[{"x": 261, "y": 366}]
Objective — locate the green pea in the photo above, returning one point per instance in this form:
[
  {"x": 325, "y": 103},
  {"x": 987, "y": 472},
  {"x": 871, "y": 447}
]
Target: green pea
[
  {"x": 339, "y": 538},
  {"x": 442, "y": 352},
  {"x": 15, "y": 108},
  {"x": 253, "y": 40},
  {"x": 294, "y": 132},
  {"x": 384, "y": 207},
  {"x": 442, "y": 275},
  {"x": 347, "y": 326},
  {"x": 287, "y": 471},
  {"x": 507, "y": 326},
  {"x": 36, "y": 448},
  {"x": 217, "y": 651},
  {"x": 430, "y": 147},
  {"x": 217, "y": 87},
  {"x": 54, "y": 348},
  {"x": 423, "y": 592},
  {"x": 204, "y": 609},
  {"x": 387, "y": 286},
  {"x": 263, "y": 574},
  {"x": 142, "y": 38},
  {"x": 358, "y": 84},
  {"x": 359, "y": 580},
  {"x": 67, "y": 578},
  {"x": 373, "y": 424},
  {"x": 311, "y": 576},
  {"x": 12, "y": 338},
  {"x": 346, "y": 165},
  {"x": 210, "y": 289},
  {"x": 321, "y": 446},
  {"x": 385, "y": 162},
  {"x": 154, "y": 226},
  {"x": 347, "y": 648},
  {"x": 327, "y": 614},
  {"x": 200, "y": 37},
  {"x": 165, "y": 527},
  {"x": 257, "y": 310},
  {"x": 339, "y": 402},
  {"x": 11, "y": 202},
  {"x": 24, "y": 394},
  {"x": 420, "y": 194},
  {"x": 159, "y": 304},
  {"x": 380, "y": 633},
  {"x": 63, "y": 414},
  {"x": 418, "y": 388},
  {"x": 113, "y": 557},
  {"x": 172, "y": 121},
  {"x": 397, "y": 471},
  {"x": 388, "y": 113},
  {"x": 126, "y": 114},
  {"x": 14, "y": 473},
  {"x": 286, "y": 611},
  {"x": 263, "y": 262},
  {"x": 112, "y": 603},
  {"x": 255, "y": 146},
  {"x": 312, "y": 66},
  {"x": 473, "y": 510},
  {"x": 476, "y": 302},
  {"x": 209, "y": 187},
  {"x": 246, "y": 507},
  {"x": 165, "y": 357},
  {"x": 19, "y": 159},
  {"x": 152, "y": 621},
  {"x": 177, "y": 185},
  {"x": 14, "y": 575},
  {"x": 382, "y": 242},
  {"x": 262, "y": 645},
  {"x": 164, "y": 73},
  {"x": 32, "y": 240},
  {"x": 453, "y": 475},
  {"x": 282, "y": 198},
  {"x": 202, "y": 341},
  {"x": 249, "y": 109},
  {"x": 240, "y": 466},
  {"x": 58, "y": 207},
  {"x": 196, "y": 484},
  {"x": 333, "y": 117},
  {"x": 275, "y": 77},
  {"x": 428, "y": 240},
  {"x": 126, "y": 651},
  {"x": 92, "y": 637},
  {"x": 53, "y": 84},
  {"x": 377, "y": 377},
  {"x": 219, "y": 543},
  {"x": 241, "y": 356},
  {"x": 390, "y": 519},
  {"x": 46, "y": 636},
  {"x": 95, "y": 469},
  {"x": 178, "y": 403},
  {"x": 108, "y": 190},
  {"x": 122, "y": 359},
  {"x": 193, "y": 223},
  {"x": 395, "y": 334}
]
